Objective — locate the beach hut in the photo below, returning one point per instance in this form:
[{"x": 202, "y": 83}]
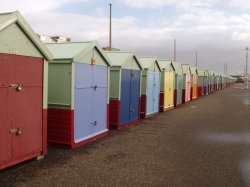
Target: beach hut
[
  {"x": 223, "y": 81},
  {"x": 194, "y": 83},
  {"x": 206, "y": 82},
  {"x": 211, "y": 81},
  {"x": 23, "y": 91},
  {"x": 214, "y": 81},
  {"x": 220, "y": 81},
  {"x": 150, "y": 87},
  {"x": 125, "y": 85},
  {"x": 201, "y": 83},
  {"x": 167, "y": 85},
  {"x": 186, "y": 95},
  {"x": 78, "y": 97},
  {"x": 217, "y": 81},
  {"x": 179, "y": 84}
]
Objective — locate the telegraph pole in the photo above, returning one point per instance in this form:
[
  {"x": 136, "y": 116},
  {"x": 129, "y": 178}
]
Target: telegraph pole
[
  {"x": 110, "y": 26},
  {"x": 246, "y": 73}
]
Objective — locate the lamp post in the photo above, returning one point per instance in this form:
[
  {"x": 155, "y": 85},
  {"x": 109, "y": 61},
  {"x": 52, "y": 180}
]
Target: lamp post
[
  {"x": 110, "y": 26},
  {"x": 246, "y": 73}
]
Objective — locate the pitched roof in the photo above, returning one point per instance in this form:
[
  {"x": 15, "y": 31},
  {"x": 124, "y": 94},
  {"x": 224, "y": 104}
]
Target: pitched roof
[
  {"x": 7, "y": 19},
  {"x": 166, "y": 65},
  {"x": 74, "y": 50},
  {"x": 193, "y": 70},
  {"x": 119, "y": 58},
  {"x": 178, "y": 68},
  {"x": 149, "y": 63},
  {"x": 185, "y": 68},
  {"x": 201, "y": 72}
]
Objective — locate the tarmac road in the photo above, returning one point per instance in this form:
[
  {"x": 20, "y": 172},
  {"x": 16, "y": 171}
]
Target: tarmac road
[{"x": 206, "y": 142}]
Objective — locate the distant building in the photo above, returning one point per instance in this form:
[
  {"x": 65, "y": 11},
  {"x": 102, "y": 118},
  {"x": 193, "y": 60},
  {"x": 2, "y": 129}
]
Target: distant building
[
  {"x": 107, "y": 49},
  {"x": 54, "y": 39},
  {"x": 239, "y": 78}
]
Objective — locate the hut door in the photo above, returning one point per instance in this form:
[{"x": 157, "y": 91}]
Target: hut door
[
  {"x": 206, "y": 85},
  {"x": 100, "y": 82},
  {"x": 156, "y": 91},
  {"x": 194, "y": 86},
  {"x": 203, "y": 85},
  {"x": 83, "y": 102},
  {"x": 179, "y": 88},
  {"x": 150, "y": 92},
  {"x": 169, "y": 89},
  {"x": 130, "y": 93},
  {"x": 21, "y": 99},
  {"x": 5, "y": 125},
  {"x": 171, "y": 82},
  {"x": 134, "y": 94},
  {"x": 188, "y": 86},
  {"x": 25, "y": 105},
  {"x": 90, "y": 101},
  {"x": 125, "y": 96}
]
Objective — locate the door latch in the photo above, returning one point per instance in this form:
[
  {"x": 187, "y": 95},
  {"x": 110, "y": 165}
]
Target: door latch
[
  {"x": 18, "y": 87},
  {"x": 95, "y": 87},
  {"x": 94, "y": 123},
  {"x": 132, "y": 110},
  {"x": 16, "y": 131},
  {"x": 132, "y": 74}
]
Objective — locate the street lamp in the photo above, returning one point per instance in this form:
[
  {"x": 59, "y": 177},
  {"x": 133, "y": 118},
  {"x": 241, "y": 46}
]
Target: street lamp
[
  {"x": 110, "y": 26},
  {"x": 246, "y": 75}
]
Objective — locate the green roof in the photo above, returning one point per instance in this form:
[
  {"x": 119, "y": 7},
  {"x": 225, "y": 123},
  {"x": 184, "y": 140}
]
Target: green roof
[
  {"x": 6, "y": 19},
  {"x": 185, "y": 68},
  {"x": 67, "y": 50},
  {"x": 74, "y": 50},
  {"x": 178, "y": 68},
  {"x": 166, "y": 65},
  {"x": 211, "y": 73},
  {"x": 150, "y": 63},
  {"x": 201, "y": 72},
  {"x": 193, "y": 70},
  {"x": 119, "y": 58}
]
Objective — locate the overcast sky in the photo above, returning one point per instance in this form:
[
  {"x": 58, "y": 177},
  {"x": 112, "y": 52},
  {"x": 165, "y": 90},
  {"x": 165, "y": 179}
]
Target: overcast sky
[{"x": 219, "y": 30}]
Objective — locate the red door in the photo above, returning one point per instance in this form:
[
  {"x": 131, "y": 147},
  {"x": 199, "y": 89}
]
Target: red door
[
  {"x": 23, "y": 100},
  {"x": 5, "y": 138}
]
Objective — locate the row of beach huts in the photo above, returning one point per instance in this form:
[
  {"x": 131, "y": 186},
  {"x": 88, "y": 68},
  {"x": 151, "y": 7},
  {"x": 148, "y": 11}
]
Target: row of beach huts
[{"x": 73, "y": 93}]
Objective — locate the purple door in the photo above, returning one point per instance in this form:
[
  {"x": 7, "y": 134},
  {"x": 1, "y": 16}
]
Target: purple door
[
  {"x": 83, "y": 102},
  {"x": 90, "y": 101},
  {"x": 99, "y": 111}
]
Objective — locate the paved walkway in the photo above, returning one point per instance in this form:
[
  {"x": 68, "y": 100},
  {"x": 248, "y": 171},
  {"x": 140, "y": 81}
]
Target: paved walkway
[{"x": 203, "y": 143}]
